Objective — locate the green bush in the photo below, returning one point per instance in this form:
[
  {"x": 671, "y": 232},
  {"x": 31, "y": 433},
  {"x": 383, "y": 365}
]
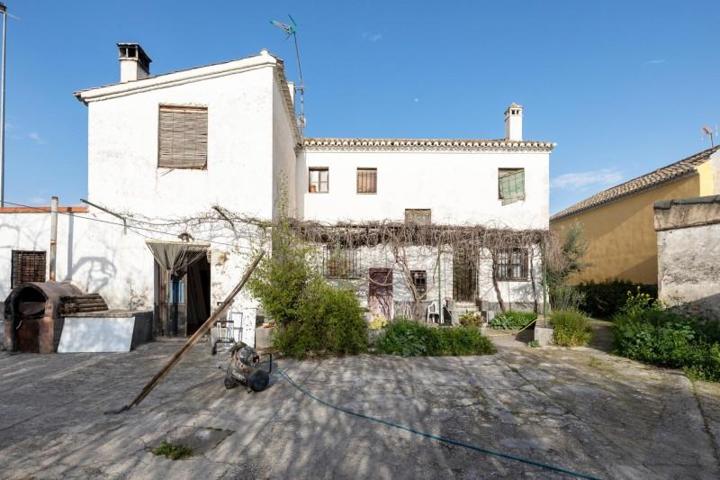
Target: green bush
[
  {"x": 329, "y": 321},
  {"x": 512, "y": 320},
  {"x": 605, "y": 299},
  {"x": 647, "y": 332},
  {"x": 570, "y": 328},
  {"x": 409, "y": 339},
  {"x": 470, "y": 319},
  {"x": 173, "y": 451},
  {"x": 563, "y": 297}
]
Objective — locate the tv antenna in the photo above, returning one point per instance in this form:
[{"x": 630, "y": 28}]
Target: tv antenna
[
  {"x": 291, "y": 31},
  {"x": 707, "y": 131}
]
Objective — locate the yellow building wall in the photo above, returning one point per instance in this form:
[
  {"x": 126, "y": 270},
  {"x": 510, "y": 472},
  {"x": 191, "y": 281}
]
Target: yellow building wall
[{"x": 621, "y": 234}]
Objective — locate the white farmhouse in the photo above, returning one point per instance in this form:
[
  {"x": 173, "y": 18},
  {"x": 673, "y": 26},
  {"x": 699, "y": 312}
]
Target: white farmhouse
[{"x": 200, "y": 161}]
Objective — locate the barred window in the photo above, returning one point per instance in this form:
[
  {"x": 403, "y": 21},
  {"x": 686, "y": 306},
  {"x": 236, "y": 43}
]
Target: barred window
[
  {"x": 182, "y": 137},
  {"x": 419, "y": 278},
  {"x": 367, "y": 180},
  {"x": 340, "y": 262},
  {"x": 27, "y": 266},
  {"x": 512, "y": 264},
  {"x": 418, "y": 216},
  {"x": 511, "y": 185},
  {"x": 319, "y": 180}
]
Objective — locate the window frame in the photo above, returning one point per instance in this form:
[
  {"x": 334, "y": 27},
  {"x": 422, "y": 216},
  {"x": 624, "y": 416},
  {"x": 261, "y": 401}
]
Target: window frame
[
  {"x": 504, "y": 270},
  {"x": 319, "y": 182},
  {"x": 409, "y": 221},
  {"x": 170, "y": 106},
  {"x": 357, "y": 180},
  {"x": 421, "y": 290},
  {"x": 16, "y": 256},
  {"x": 350, "y": 269},
  {"x": 510, "y": 171}
]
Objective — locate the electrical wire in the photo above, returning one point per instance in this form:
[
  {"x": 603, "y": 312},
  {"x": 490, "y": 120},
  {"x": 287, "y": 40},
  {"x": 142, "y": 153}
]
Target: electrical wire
[{"x": 449, "y": 441}]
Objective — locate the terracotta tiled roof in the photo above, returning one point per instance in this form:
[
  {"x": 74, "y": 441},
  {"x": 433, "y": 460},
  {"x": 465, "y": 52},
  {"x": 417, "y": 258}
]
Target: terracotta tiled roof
[
  {"x": 657, "y": 177},
  {"x": 423, "y": 144}
]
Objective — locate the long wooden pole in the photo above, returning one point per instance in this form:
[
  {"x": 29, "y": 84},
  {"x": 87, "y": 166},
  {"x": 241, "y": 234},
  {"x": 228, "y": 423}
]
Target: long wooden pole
[{"x": 194, "y": 338}]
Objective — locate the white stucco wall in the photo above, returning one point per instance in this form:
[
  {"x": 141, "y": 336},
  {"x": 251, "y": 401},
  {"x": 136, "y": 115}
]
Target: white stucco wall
[
  {"x": 123, "y": 147},
  {"x": 460, "y": 187},
  {"x": 284, "y": 159}
]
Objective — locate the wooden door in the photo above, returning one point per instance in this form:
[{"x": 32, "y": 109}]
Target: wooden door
[{"x": 380, "y": 292}]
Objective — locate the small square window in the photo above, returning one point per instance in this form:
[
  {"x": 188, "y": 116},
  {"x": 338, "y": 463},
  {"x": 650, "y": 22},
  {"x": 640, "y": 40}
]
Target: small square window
[
  {"x": 367, "y": 180},
  {"x": 319, "y": 180},
  {"x": 512, "y": 264}
]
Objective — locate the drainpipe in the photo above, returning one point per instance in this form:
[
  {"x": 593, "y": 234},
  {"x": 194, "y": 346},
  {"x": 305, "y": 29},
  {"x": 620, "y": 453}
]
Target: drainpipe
[{"x": 53, "y": 237}]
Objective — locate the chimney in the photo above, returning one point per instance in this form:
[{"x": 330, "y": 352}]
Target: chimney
[
  {"x": 134, "y": 62},
  {"x": 513, "y": 122}
]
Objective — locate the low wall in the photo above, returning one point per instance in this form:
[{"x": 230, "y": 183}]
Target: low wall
[{"x": 688, "y": 239}]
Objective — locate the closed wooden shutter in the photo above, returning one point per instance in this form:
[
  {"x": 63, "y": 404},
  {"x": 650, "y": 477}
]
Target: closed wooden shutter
[
  {"x": 183, "y": 137},
  {"x": 27, "y": 266},
  {"x": 511, "y": 185},
  {"x": 367, "y": 180}
]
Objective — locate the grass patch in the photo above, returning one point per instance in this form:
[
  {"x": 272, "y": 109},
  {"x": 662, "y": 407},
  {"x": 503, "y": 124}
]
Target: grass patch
[
  {"x": 173, "y": 451},
  {"x": 512, "y": 320},
  {"x": 412, "y": 339},
  {"x": 571, "y": 328}
]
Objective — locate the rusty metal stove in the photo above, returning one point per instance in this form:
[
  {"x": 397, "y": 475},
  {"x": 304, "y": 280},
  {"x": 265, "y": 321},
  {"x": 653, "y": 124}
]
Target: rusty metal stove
[{"x": 34, "y": 314}]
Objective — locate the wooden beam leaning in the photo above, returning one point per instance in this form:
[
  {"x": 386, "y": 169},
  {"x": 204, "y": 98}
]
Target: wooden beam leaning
[{"x": 194, "y": 338}]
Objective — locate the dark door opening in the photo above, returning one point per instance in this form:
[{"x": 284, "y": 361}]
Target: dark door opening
[
  {"x": 182, "y": 302},
  {"x": 380, "y": 292},
  {"x": 465, "y": 275}
]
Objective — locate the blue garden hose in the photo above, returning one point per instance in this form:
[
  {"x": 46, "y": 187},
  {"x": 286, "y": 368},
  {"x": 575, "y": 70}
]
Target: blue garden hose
[{"x": 439, "y": 438}]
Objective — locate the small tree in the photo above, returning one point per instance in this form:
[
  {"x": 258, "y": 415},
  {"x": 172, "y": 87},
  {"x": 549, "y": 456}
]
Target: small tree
[{"x": 564, "y": 256}]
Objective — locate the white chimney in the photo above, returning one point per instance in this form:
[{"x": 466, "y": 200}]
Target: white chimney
[
  {"x": 513, "y": 122},
  {"x": 134, "y": 62}
]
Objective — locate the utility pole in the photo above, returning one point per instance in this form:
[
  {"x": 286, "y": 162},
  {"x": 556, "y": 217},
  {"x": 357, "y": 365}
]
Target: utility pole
[
  {"x": 53, "y": 237},
  {"x": 3, "y": 11}
]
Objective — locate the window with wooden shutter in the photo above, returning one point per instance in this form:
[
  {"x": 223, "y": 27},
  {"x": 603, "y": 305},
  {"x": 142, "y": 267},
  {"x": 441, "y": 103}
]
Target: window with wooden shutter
[
  {"x": 318, "y": 180},
  {"x": 418, "y": 216},
  {"x": 182, "y": 137},
  {"x": 27, "y": 266},
  {"x": 511, "y": 185},
  {"x": 367, "y": 180}
]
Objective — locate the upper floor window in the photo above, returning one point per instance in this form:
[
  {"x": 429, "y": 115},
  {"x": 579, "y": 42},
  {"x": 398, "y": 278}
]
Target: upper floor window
[
  {"x": 182, "y": 136},
  {"x": 418, "y": 216},
  {"x": 319, "y": 180},
  {"x": 367, "y": 180},
  {"x": 27, "y": 266},
  {"x": 511, "y": 185},
  {"x": 512, "y": 264}
]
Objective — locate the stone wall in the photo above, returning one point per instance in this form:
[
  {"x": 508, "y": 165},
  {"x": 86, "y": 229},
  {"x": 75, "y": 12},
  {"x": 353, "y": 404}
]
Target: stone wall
[{"x": 688, "y": 239}]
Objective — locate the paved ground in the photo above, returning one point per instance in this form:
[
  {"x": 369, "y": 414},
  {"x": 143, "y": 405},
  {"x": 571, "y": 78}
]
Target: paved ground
[{"x": 580, "y": 409}]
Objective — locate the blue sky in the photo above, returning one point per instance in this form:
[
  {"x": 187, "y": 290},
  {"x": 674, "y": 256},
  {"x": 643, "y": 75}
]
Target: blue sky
[{"x": 623, "y": 87}]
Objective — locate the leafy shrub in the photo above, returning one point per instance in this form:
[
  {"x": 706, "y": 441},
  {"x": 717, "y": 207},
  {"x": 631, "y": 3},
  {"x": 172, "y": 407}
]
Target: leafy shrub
[
  {"x": 329, "y": 320},
  {"x": 406, "y": 338},
  {"x": 378, "y": 322},
  {"x": 470, "y": 319},
  {"x": 564, "y": 297},
  {"x": 570, "y": 328},
  {"x": 461, "y": 341},
  {"x": 513, "y": 319},
  {"x": 409, "y": 339},
  {"x": 605, "y": 299},
  {"x": 647, "y": 332}
]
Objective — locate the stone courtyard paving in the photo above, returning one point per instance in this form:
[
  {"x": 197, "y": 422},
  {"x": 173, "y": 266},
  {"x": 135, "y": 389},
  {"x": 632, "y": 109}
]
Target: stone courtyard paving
[{"x": 580, "y": 409}]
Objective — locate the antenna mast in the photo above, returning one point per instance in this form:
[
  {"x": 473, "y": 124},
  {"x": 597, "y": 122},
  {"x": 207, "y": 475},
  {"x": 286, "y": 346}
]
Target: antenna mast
[
  {"x": 709, "y": 132},
  {"x": 291, "y": 31}
]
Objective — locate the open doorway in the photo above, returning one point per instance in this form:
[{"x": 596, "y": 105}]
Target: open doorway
[{"x": 182, "y": 286}]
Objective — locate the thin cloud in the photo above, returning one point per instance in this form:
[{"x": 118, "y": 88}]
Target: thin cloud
[
  {"x": 372, "y": 36},
  {"x": 581, "y": 180},
  {"x": 35, "y": 137},
  {"x": 656, "y": 61}
]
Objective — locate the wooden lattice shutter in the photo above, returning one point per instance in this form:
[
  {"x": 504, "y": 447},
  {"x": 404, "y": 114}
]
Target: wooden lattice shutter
[
  {"x": 366, "y": 180},
  {"x": 183, "y": 137},
  {"x": 27, "y": 266},
  {"x": 511, "y": 185}
]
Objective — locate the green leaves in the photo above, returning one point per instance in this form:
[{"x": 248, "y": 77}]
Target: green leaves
[
  {"x": 571, "y": 328},
  {"x": 408, "y": 338}
]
